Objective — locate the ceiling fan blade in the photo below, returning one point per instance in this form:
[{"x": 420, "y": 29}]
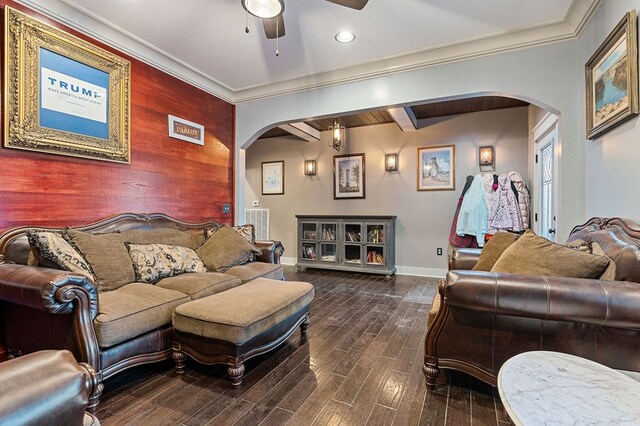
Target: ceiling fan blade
[
  {"x": 273, "y": 27},
  {"x": 353, "y": 4}
]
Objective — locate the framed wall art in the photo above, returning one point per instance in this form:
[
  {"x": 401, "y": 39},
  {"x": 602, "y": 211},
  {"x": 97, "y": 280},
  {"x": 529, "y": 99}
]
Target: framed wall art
[
  {"x": 273, "y": 178},
  {"x": 186, "y": 130},
  {"x": 436, "y": 168},
  {"x": 63, "y": 95},
  {"x": 348, "y": 176},
  {"x": 612, "y": 79}
]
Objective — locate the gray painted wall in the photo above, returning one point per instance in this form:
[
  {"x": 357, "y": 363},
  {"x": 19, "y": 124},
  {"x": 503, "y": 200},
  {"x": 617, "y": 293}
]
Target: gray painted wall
[
  {"x": 424, "y": 218},
  {"x": 547, "y": 75},
  {"x": 612, "y": 170}
]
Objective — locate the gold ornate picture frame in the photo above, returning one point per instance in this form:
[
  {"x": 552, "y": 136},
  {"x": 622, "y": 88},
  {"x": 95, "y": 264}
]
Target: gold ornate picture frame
[
  {"x": 63, "y": 95},
  {"x": 612, "y": 79}
]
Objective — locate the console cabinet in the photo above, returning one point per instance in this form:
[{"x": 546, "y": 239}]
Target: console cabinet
[{"x": 347, "y": 243}]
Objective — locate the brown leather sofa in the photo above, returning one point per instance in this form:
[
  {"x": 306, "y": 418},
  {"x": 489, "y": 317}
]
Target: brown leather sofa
[
  {"x": 46, "y": 388},
  {"x": 486, "y": 318},
  {"x": 53, "y": 309}
]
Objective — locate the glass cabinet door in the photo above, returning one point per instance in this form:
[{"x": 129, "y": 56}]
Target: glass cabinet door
[
  {"x": 375, "y": 233},
  {"x": 352, "y": 254},
  {"x": 308, "y": 231},
  {"x": 352, "y": 233},
  {"x": 309, "y": 251},
  {"x": 328, "y": 252},
  {"x": 328, "y": 231}
]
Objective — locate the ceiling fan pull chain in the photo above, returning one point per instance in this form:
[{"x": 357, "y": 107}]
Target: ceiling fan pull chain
[
  {"x": 277, "y": 36},
  {"x": 246, "y": 28}
]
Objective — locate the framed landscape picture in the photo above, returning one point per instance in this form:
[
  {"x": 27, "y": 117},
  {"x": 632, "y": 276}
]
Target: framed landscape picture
[
  {"x": 612, "y": 79},
  {"x": 63, "y": 95},
  {"x": 348, "y": 176},
  {"x": 436, "y": 168},
  {"x": 273, "y": 178}
]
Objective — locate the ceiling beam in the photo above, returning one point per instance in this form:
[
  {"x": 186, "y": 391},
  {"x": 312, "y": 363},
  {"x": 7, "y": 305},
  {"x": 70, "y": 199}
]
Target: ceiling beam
[
  {"x": 302, "y": 130},
  {"x": 404, "y": 118}
]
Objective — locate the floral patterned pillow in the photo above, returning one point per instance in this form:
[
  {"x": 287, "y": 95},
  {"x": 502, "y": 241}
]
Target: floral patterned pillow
[
  {"x": 153, "y": 262},
  {"x": 53, "y": 247},
  {"x": 248, "y": 232}
]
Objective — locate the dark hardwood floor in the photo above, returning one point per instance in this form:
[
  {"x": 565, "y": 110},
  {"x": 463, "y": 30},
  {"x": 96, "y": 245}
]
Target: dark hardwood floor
[{"x": 360, "y": 364}]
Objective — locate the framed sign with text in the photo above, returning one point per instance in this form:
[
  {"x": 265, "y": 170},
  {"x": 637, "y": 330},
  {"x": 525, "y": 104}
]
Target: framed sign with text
[
  {"x": 185, "y": 130},
  {"x": 63, "y": 95}
]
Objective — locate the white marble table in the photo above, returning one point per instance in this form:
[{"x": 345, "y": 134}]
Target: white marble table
[{"x": 551, "y": 388}]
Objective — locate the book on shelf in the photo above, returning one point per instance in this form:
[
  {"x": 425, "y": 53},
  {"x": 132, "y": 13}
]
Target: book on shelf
[
  {"x": 328, "y": 234},
  {"x": 352, "y": 236},
  {"x": 375, "y": 235},
  {"x": 309, "y": 235},
  {"x": 309, "y": 252},
  {"x": 375, "y": 257}
]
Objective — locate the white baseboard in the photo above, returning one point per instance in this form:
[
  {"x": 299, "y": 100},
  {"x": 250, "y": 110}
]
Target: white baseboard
[{"x": 400, "y": 270}]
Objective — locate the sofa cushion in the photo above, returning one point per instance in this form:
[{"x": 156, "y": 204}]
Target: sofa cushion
[
  {"x": 224, "y": 249},
  {"x": 493, "y": 249},
  {"x": 198, "y": 285},
  {"x": 168, "y": 236},
  {"x": 241, "y": 313},
  {"x": 52, "y": 247},
  {"x": 252, "y": 270},
  {"x": 152, "y": 262},
  {"x": 132, "y": 310},
  {"x": 534, "y": 255},
  {"x": 108, "y": 257}
]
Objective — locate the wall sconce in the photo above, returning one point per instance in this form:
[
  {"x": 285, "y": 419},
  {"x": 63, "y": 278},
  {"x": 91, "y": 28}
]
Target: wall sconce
[
  {"x": 310, "y": 167},
  {"x": 487, "y": 158},
  {"x": 391, "y": 163},
  {"x": 338, "y": 135}
]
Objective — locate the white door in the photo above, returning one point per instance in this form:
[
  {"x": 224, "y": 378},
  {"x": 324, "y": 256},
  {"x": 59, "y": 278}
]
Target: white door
[{"x": 544, "y": 198}]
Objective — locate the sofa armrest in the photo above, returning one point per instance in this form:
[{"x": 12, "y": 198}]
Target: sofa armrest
[
  {"x": 464, "y": 258},
  {"x": 589, "y": 301},
  {"x": 48, "y": 290},
  {"x": 46, "y": 387},
  {"x": 271, "y": 251}
]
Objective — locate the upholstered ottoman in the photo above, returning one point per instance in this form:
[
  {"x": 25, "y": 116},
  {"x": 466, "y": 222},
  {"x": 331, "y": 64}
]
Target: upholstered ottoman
[{"x": 240, "y": 323}]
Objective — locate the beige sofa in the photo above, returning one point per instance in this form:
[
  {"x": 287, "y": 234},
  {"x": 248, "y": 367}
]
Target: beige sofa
[{"x": 45, "y": 308}]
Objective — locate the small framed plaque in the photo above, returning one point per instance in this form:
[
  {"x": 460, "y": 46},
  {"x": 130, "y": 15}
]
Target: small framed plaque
[{"x": 185, "y": 130}]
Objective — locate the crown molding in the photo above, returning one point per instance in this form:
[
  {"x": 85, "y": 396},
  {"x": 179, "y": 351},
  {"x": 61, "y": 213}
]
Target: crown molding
[
  {"x": 570, "y": 27},
  {"x": 104, "y": 31}
]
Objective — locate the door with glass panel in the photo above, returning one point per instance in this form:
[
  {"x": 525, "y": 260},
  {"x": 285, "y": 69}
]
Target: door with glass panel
[{"x": 545, "y": 176}]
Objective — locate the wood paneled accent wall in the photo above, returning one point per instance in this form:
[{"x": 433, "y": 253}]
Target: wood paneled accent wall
[
  {"x": 187, "y": 181},
  {"x": 166, "y": 175}
]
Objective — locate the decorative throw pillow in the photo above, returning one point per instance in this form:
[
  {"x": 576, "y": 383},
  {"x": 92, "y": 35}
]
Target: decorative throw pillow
[
  {"x": 248, "y": 232},
  {"x": 493, "y": 249},
  {"x": 153, "y": 262},
  {"x": 167, "y": 236},
  {"x": 610, "y": 273},
  {"x": 534, "y": 255},
  {"x": 107, "y": 256},
  {"x": 224, "y": 249},
  {"x": 54, "y": 248}
]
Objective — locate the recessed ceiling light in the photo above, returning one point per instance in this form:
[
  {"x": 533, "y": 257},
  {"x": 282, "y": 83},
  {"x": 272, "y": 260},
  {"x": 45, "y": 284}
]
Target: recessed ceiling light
[{"x": 345, "y": 37}]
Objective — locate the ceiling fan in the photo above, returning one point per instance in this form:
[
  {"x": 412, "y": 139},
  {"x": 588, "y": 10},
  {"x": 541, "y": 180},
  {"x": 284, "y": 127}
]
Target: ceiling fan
[{"x": 270, "y": 11}]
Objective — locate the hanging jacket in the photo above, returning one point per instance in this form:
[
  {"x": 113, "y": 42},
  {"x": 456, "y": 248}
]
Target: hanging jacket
[
  {"x": 466, "y": 241},
  {"x": 488, "y": 189},
  {"x": 524, "y": 200},
  {"x": 472, "y": 219},
  {"x": 504, "y": 210}
]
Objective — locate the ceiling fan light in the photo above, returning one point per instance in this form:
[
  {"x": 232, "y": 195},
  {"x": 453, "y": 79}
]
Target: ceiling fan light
[
  {"x": 264, "y": 8},
  {"x": 345, "y": 37}
]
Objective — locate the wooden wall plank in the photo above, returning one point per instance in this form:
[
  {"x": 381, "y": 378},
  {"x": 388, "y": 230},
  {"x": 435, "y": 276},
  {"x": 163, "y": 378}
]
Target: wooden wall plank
[{"x": 184, "y": 180}]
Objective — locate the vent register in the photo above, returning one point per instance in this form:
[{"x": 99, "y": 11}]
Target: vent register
[{"x": 259, "y": 218}]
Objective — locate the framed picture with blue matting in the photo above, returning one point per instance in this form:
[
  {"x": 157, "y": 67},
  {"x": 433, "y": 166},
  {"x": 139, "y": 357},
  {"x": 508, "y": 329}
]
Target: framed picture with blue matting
[{"x": 63, "y": 95}]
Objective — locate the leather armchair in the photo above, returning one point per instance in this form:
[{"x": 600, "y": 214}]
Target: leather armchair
[
  {"x": 486, "y": 318},
  {"x": 46, "y": 388}
]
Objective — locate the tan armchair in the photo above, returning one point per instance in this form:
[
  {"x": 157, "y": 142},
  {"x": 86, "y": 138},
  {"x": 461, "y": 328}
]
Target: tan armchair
[{"x": 485, "y": 318}]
